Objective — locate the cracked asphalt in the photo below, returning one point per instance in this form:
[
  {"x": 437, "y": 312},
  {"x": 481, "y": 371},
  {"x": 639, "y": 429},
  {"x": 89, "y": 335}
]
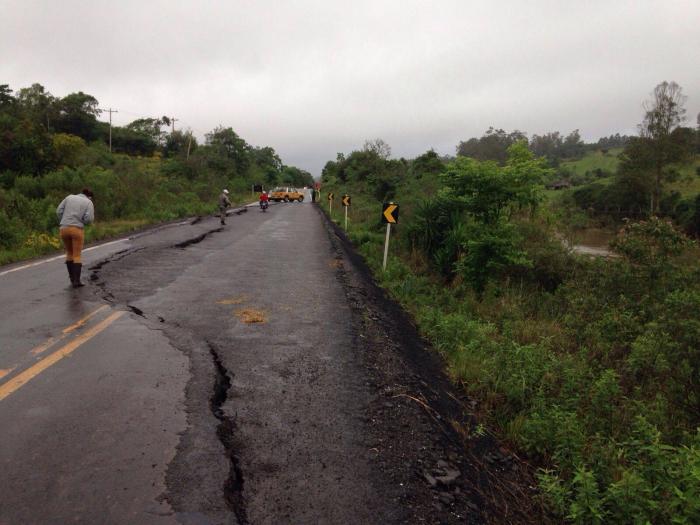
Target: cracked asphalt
[{"x": 257, "y": 375}]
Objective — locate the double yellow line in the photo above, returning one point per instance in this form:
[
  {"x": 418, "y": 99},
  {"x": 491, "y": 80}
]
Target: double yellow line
[{"x": 30, "y": 373}]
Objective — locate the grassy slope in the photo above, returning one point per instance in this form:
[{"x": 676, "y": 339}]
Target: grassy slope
[
  {"x": 473, "y": 334},
  {"x": 594, "y": 160},
  {"x": 40, "y": 244},
  {"x": 688, "y": 184}
]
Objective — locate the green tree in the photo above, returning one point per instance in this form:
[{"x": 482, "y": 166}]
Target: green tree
[
  {"x": 493, "y": 145},
  {"x": 380, "y": 148},
  {"x": 77, "y": 115},
  {"x": 269, "y": 163},
  {"x": 25, "y": 147},
  {"x": 296, "y": 177},
  {"x": 466, "y": 229},
  {"x": 67, "y": 149},
  {"x": 232, "y": 146},
  {"x": 427, "y": 163},
  {"x": 665, "y": 142},
  {"x": 150, "y": 127},
  {"x": 6, "y": 98},
  {"x": 490, "y": 192},
  {"x": 38, "y": 105}
]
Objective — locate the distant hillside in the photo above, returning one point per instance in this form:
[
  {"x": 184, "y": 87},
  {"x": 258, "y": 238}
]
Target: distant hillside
[
  {"x": 593, "y": 161},
  {"x": 585, "y": 170}
]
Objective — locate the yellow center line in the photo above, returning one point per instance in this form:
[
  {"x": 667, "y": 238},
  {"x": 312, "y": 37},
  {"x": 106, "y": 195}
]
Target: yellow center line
[
  {"x": 52, "y": 340},
  {"x": 84, "y": 320},
  {"x": 33, "y": 371},
  {"x": 45, "y": 345}
]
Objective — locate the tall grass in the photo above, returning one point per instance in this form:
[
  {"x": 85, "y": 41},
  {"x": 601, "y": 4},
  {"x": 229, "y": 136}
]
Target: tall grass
[{"x": 588, "y": 366}]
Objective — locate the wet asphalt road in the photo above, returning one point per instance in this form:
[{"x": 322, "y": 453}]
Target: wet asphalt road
[{"x": 149, "y": 396}]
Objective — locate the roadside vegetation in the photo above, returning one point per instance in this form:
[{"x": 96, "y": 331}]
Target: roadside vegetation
[
  {"x": 51, "y": 147},
  {"x": 590, "y": 366}
]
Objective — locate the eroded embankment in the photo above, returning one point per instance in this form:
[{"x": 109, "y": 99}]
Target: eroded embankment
[{"x": 467, "y": 471}]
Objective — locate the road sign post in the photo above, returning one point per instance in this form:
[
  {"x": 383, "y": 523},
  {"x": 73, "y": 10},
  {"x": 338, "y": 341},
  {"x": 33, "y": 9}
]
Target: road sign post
[
  {"x": 390, "y": 215},
  {"x": 386, "y": 245},
  {"x": 330, "y": 203},
  {"x": 346, "y": 205}
]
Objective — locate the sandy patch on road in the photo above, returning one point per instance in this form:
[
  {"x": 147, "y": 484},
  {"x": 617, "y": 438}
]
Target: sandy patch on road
[{"x": 250, "y": 315}]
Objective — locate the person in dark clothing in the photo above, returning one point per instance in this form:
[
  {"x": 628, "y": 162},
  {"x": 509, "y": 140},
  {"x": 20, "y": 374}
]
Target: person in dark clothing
[
  {"x": 224, "y": 203},
  {"x": 74, "y": 213}
]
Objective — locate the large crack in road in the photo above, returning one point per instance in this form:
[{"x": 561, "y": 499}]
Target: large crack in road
[
  {"x": 233, "y": 489},
  {"x": 124, "y": 287}
]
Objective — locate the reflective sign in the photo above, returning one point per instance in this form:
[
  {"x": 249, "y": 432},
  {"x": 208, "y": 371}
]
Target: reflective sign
[{"x": 390, "y": 213}]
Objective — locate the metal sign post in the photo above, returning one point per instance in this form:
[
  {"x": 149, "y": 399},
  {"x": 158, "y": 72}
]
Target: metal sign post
[
  {"x": 346, "y": 205},
  {"x": 386, "y": 244},
  {"x": 390, "y": 215},
  {"x": 330, "y": 204}
]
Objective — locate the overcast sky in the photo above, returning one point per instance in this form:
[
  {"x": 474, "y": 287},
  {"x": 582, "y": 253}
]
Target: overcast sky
[{"x": 312, "y": 78}]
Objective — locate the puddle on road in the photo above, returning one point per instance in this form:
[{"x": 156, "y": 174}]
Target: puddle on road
[{"x": 251, "y": 315}]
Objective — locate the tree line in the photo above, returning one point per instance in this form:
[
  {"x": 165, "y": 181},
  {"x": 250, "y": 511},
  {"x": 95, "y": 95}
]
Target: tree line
[
  {"x": 553, "y": 146},
  {"x": 51, "y": 146},
  {"x": 41, "y": 131}
]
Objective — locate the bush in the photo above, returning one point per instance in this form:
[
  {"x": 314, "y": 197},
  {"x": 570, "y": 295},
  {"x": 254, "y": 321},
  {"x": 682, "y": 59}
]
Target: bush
[{"x": 12, "y": 231}]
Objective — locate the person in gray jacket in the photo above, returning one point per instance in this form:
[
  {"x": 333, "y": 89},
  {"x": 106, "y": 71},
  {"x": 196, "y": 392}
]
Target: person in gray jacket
[
  {"x": 224, "y": 203},
  {"x": 74, "y": 213}
]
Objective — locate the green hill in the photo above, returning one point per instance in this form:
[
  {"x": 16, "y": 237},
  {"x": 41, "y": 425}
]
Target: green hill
[
  {"x": 688, "y": 183},
  {"x": 593, "y": 161}
]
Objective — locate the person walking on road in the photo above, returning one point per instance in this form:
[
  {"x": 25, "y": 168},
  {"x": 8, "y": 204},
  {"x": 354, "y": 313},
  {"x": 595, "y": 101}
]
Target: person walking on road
[
  {"x": 224, "y": 203},
  {"x": 74, "y": 213}
]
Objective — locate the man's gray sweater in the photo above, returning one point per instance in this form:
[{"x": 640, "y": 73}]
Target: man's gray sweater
[{"x": 75, "y": 210}]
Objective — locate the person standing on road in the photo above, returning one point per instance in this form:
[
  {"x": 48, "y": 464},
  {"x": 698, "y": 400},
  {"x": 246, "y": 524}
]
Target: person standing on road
[
  {"x": 224, "y": 203},
  {"x": 74, "y": 213}
]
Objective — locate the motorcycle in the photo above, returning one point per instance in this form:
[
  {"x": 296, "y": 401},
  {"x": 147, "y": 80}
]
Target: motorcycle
[{"x": 264, "y": 205}]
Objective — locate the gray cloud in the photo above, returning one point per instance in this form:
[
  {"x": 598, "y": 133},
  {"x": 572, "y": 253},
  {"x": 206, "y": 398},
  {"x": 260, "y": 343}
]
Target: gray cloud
[{"x": 313, "y": 78}]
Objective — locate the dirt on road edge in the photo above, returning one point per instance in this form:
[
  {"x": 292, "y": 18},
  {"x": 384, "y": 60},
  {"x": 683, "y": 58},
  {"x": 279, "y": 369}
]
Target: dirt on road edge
[{"x": 443, "y": 467}]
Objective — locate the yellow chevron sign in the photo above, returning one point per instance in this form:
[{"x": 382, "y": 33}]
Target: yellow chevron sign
[
  {"x": 346, "y": 200},
  {"x": 390, "y": 213},
  {"x": 330, "y": 196}
]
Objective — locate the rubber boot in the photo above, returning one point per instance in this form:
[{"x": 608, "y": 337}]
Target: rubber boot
[
  {"x": 69, "y": 265},
  {"x": 77, "y": 268}
]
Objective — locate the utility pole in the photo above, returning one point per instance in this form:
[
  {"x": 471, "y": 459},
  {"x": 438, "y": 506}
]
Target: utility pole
[
  {"x": 110, "y": 110},
  {"x": 189, "y": 145}
]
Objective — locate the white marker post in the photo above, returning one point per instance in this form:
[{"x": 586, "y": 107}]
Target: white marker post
[
  {"x": 390, "y": 214},
  {"x": 386, "y": 245},
  {"x": 346, "y": 218}
]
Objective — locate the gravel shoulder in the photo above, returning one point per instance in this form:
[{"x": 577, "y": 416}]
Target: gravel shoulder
[{"x": 427, "y": 442}]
